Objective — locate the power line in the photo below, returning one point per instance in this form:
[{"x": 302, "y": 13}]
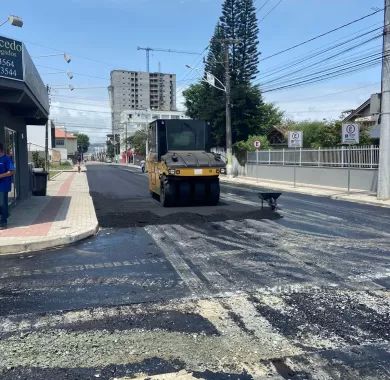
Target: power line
[
  {"x": 79, "y": 103},
  {"x": 272, "y": 9},
  {"x": 348, "y": 64},
  {"x": 61, "y": 51},
  {"x": 80, "y": 109},
  {"x": 328, "y": 76},
  {"x": 77, "y": 73},
  {"x": 329, "y": 94},
  {"x": 316, "y": 53},
  {"x": 319, "y": 62},
  {"x": 321, "y": 35},
  {"x": 264, "y": 4},
  {"x": 80, "y": 98}
]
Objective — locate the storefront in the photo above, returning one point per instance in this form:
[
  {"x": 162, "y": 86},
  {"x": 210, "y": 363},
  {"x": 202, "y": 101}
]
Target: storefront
[{"x": 23, "y": 101}]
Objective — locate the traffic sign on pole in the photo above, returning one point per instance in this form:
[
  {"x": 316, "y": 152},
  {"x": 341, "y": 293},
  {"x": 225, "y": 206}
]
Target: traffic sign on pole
[
  {"x": 295, "y": 139},
  {"x": 257, "y": 144},
  {"x": 350, "y": 133}
]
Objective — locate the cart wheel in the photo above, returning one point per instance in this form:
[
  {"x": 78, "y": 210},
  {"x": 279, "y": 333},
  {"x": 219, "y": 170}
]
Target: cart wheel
[{"x": 272, "y": 203}]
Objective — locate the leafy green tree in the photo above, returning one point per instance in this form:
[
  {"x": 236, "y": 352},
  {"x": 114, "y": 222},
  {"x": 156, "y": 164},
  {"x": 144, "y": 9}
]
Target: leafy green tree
[
  {"x": 110, "y": 150},
  {"x": 229, "y": 21},
  {"x": 138, "y": 141},
  {"x": 250, "y": 114},
  {"x": 215, "y": 58},
  {"x": 239, "y": 22},
  {"x": 83, "y": 142},
  {"x": 247, "y": 54},
  {"x": 240, "y": 148}
]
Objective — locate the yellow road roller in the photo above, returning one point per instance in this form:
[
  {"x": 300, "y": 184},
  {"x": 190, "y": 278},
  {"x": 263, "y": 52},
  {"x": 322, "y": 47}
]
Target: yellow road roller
[{"x": 180, "y": 166}]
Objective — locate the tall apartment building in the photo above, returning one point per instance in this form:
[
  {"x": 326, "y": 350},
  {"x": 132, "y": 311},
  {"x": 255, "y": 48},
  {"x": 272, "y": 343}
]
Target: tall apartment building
[{"x": 132, "y": 90}]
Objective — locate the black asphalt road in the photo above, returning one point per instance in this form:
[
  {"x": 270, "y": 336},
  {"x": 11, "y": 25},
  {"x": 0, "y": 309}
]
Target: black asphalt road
[{"x": 317, "y": 272}]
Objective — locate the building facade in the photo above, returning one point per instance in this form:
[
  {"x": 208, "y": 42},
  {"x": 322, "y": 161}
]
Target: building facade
[
  {"x": 23, "y": 101},
  {"x": 65, "y": 140},
  {"x": 132, "y": 90}
]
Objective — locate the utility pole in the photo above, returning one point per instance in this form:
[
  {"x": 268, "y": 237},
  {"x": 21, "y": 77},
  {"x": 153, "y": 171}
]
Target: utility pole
[
  {"x": 47, "y": 136},
  {"x": 384, "y": 148},
  {"x": 229, "y": 153},
  {"x": 126, "y": 143}
]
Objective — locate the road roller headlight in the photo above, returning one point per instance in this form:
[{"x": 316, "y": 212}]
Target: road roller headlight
[
  {"x": 222, "y": 170},
  {"x": 171, "y": 171}
]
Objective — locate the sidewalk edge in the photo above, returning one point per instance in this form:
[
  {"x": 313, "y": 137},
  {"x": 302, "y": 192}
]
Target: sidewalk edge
[
  {"x": 306, "y": 191},
  {"x": 49, "y": 243}
]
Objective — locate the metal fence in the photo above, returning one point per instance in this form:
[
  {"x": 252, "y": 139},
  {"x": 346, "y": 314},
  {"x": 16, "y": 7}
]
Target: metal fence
[{"x": 342, "y": 157}]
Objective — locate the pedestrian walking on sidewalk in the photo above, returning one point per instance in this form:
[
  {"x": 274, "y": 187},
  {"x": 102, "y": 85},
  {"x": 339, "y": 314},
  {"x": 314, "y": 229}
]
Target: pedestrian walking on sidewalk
[
  {"x": 7, "y": 170},
  {"x": 79, "y": 163}
]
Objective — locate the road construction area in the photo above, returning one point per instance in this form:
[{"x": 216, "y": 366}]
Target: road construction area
[{"x": 224, "y": 292}]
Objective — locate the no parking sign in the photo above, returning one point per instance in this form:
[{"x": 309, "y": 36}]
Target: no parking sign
[
  {"x": 257, "y": 144},
  {"x": 350, "y": 133},
  {"x": 295, "y": 139}
]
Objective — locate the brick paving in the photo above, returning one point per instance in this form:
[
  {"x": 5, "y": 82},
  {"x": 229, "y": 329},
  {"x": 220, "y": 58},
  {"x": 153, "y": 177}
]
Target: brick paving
[{"x": 64, "y": 216}]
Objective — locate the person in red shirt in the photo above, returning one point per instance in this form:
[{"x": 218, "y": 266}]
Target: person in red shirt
[{"x": 7, "y": 170}]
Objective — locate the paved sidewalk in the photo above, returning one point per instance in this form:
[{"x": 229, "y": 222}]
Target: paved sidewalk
[
  {"x": 358, "y": 196},
  {"x": 64, "y": 216}
]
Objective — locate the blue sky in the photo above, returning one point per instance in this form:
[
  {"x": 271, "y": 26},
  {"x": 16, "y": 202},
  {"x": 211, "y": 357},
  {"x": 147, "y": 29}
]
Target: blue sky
[{"x": 102, "y": 35}]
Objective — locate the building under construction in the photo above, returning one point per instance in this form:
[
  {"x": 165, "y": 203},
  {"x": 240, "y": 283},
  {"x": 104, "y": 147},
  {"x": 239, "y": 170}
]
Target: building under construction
[{"x": 134, "y": 90}]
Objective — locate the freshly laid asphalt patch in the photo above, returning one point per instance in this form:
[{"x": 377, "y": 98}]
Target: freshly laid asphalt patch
[{"x": 112, "y": 213}]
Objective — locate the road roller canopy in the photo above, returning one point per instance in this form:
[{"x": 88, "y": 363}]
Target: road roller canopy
[{"x": 167, "y": 135}]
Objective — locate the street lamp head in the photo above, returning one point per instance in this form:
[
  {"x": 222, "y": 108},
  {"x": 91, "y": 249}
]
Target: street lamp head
[
  {"x": 15, "y": 21},
  {"x": 69, "y": 74},
  {"x": 67, "y": 58},
  {"x": 71, "y": 88}
]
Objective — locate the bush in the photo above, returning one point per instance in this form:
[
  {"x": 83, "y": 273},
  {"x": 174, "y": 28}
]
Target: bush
[
  {"x": 38, "y": 161},
  {"x": 240, "y": 148}
]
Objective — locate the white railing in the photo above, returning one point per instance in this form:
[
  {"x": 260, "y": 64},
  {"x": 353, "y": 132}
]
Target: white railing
[{"x": 341, "y": 157}]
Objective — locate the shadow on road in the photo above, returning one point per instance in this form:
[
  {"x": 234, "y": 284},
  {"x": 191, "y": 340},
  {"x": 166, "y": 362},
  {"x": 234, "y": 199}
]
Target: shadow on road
[{"x": 140, "y": 212}]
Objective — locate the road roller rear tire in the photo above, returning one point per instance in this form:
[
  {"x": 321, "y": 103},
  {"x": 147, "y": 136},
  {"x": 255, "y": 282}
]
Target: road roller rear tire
[
  {"x": 200, "y": 192},
  {"x": 184, "y": 197},
  {"x": 213, "y": 193},
  {"x": 167, "y": 195}
]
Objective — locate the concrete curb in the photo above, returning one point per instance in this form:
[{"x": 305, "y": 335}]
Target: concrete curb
[
  {"x": 48, "y": 242},
  {"x": 315, "y": 191}
]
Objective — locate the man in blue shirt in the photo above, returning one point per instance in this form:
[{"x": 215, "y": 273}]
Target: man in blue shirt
[{"x": 7, "y": 170}]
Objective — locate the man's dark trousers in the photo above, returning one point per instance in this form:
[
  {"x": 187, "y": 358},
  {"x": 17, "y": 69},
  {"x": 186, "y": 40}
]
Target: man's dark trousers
[{"x": 4, "y": 207}]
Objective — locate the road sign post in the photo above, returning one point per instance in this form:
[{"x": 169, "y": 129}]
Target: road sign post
[
  {"x": 350, "y": 136},
  {"x": 295, "y": 140}
]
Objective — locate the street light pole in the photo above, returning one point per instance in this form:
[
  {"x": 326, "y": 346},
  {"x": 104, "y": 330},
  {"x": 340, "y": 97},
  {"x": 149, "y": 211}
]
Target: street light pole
[{"x": 384, "y": 148}]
